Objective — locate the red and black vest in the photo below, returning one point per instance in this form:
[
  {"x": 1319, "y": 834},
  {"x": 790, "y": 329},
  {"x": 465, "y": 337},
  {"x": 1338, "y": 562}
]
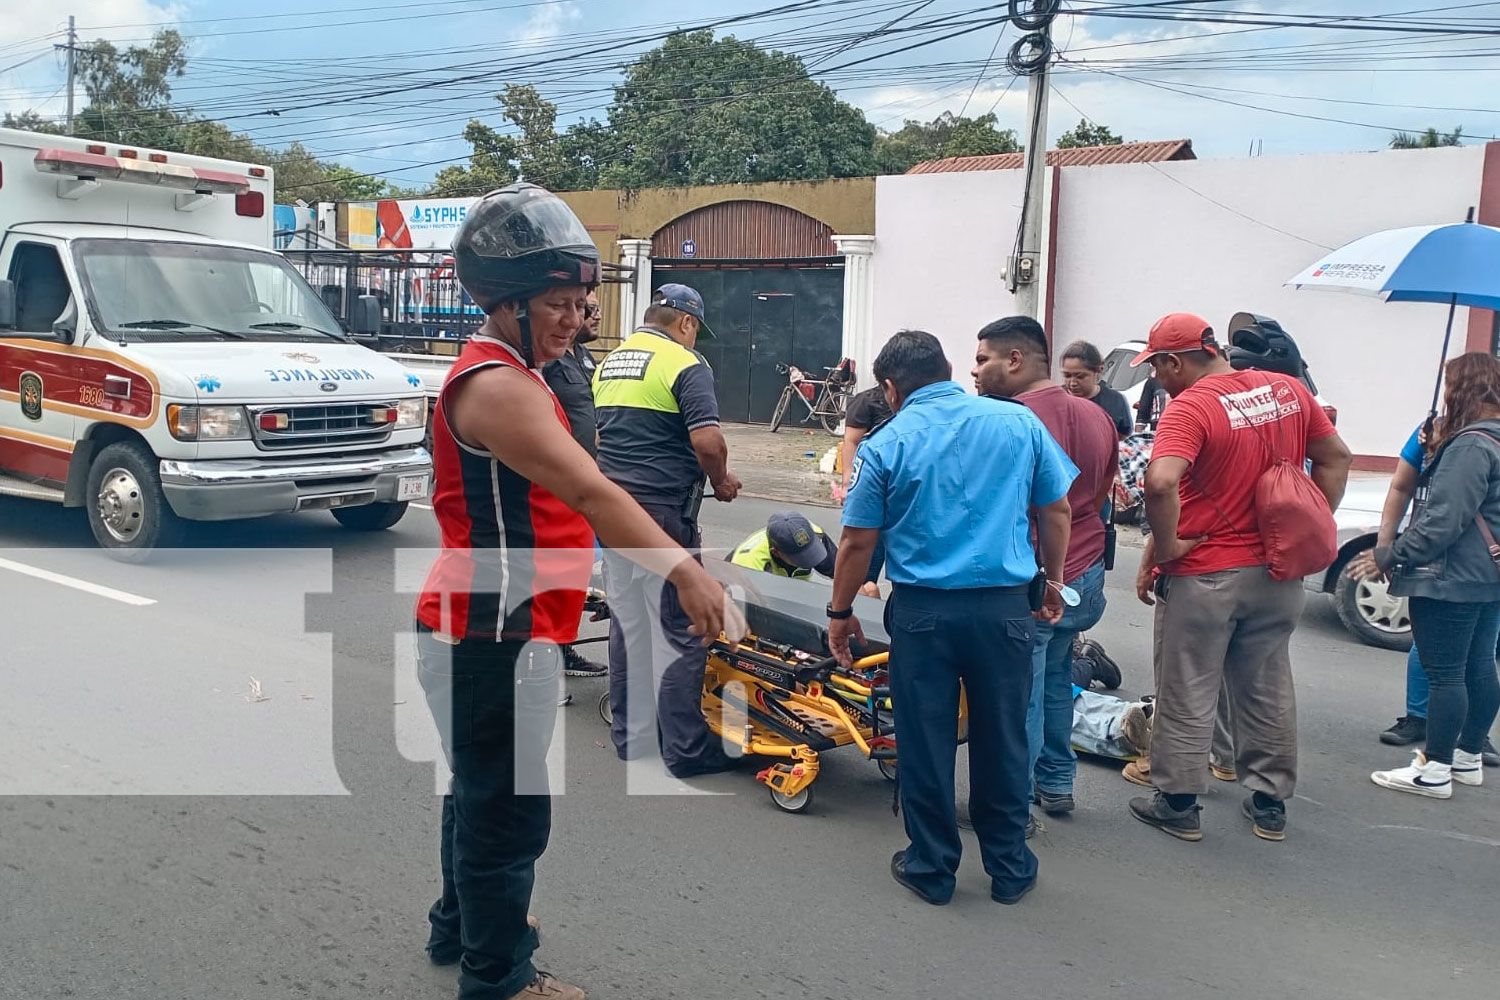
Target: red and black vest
[{"x": 516, "y": 560}]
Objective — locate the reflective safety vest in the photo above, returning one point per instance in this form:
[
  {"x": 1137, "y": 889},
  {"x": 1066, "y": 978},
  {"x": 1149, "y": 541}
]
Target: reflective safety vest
[
  {"x": 650, "y": 393},
  {"x": 755, "y": 553}
]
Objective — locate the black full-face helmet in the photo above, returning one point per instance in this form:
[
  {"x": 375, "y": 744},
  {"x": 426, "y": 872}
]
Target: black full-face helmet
[{"x": 517, "y": 242}]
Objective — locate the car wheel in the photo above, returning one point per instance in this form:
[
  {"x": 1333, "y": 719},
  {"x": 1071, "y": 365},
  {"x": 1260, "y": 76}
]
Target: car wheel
[{"x": 1368, "y": 609}]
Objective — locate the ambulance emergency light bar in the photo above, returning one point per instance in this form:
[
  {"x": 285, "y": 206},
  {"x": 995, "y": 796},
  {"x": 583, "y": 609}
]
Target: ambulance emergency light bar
[{"x": 87, "y": 169}]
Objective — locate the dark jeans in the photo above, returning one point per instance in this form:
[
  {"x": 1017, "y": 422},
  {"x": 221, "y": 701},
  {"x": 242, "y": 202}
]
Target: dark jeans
[
  {"x": 494, "y": 704},
  {"x": 983, "y": 638},
  {"x": 1457, "y": 641},
  {"x": 654, "y": 659}
]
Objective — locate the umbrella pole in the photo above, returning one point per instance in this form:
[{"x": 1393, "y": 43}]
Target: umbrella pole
[{"x": 1442, "y": 360}]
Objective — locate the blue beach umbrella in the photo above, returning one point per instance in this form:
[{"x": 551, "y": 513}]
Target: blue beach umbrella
[{"x": 1457, "y": 264}]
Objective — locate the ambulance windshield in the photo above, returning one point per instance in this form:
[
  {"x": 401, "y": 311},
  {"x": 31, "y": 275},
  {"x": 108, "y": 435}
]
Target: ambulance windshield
[{"x": 145, "y": 290}]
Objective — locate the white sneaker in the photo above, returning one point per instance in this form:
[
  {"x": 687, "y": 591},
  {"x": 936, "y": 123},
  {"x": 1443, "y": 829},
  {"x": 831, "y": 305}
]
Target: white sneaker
[
  {"x": 1468, "y": 768},
  {"x": 1420, "y": 777}
]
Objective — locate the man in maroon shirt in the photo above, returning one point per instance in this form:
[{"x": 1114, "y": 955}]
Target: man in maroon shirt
[
  {"x": 1012, "y": 360},
  {"x": 1220, "y": 618}
]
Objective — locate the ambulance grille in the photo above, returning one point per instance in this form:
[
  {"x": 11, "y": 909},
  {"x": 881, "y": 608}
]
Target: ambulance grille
[{"x": 311, "y": 426}]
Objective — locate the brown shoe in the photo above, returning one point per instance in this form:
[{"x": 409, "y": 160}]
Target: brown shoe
[
  {"x": 1138, "y": 772},
  {"x": 1135, "y": 726},
  {"x": 547, "y": 987},
  {"x": 1222, "y": 773}
]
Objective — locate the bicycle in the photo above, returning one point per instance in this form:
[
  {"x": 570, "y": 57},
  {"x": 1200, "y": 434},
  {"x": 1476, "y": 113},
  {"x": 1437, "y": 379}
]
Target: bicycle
[{"x": 824, "y": 398}]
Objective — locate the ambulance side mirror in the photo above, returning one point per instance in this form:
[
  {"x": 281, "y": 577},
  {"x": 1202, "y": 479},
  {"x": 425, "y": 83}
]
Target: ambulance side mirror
[
  {"x": 7, "y": 305},
  {"x": 366, "y": 319}
]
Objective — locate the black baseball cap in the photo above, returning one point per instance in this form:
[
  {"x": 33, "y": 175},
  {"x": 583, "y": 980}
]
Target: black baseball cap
[
  {"x": 683, "y": 298},
  {"x": 793, "y": 536}
]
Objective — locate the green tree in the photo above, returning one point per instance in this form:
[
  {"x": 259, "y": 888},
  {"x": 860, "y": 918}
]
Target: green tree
[
  {"x": 538, "y": 152},
  {"x": 1087, "y": 133},
  {"x": 30, "y": 121},
  {"x": 1430, "y": 139},
  {"x": 946, "y": 135},
  {"x": 130, "y": 102},
  {"x": 701, "y": 110}
]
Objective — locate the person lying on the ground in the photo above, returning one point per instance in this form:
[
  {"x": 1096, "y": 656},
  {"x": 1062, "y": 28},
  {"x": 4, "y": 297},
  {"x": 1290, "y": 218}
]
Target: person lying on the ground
[{"x": 1107, "y": 726}]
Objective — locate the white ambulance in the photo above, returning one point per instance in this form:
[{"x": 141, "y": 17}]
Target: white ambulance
[{"x": 160, "y": 363}]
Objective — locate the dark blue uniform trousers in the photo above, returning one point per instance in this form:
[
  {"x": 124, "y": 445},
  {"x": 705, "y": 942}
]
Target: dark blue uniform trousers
[{"x": 983, "y": 637}]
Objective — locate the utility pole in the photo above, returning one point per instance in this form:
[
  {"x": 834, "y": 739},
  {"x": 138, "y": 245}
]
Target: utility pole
[
  {"x": 72, "y": 49},
  {"x": 1032, "y": 56},
  {"x": 1027, "y": 263}
]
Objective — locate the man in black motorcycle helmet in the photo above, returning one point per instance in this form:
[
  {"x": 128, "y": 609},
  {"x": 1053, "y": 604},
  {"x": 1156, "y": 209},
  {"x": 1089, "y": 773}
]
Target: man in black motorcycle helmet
[{"x": 516, "y": 500}]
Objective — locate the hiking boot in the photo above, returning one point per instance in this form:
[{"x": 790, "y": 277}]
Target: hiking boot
[
  {"x": 1420, "y": 777},
  {"x": 1135, "y": 726},
  {"x": 575, "y": 664},
  {"x": 1106, "y": 670},
  {"x": 548, "y": 987},
  {"x": 1408, "y": 729},
  {"x": 898, "y": 872},
  {"x": 1138, "y": 772},
  {"x": 1468, "y": 768},
  {"x": 1489, "y": 754},
  {"x": 1267, "y": 823},
  {"x": 1223, "y": 772},
  {"x": 1183, "y": 824},
  {"x": 1054, "y": 805}
]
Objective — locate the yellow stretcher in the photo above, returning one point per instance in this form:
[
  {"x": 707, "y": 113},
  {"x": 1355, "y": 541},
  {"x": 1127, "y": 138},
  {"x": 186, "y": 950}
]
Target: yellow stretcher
[{"x": 785, "y": 704}]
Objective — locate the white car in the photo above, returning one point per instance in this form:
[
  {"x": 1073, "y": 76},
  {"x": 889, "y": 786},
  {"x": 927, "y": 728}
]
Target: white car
[
  {"x": 1129, "y": 382},
  {"x": 1365, "y": 607}
]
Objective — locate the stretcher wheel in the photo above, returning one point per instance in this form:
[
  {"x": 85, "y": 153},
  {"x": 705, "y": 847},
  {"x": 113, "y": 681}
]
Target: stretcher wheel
[
  {"x": 887, "y": 769},
  {"x": 604, "y": 709},
  {"x": 792, "y": 803}
]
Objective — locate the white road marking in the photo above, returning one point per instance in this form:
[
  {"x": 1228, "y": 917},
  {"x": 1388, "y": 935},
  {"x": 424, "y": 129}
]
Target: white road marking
[
  {"x": 69, "y": 581},
  {"x": 421, "y": 506},
  {"x": 1466, "y": 838}
]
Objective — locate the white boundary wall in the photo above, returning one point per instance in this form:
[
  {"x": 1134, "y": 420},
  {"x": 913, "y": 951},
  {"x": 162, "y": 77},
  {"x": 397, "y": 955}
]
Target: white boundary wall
[{"x": 1207, "y": 236}]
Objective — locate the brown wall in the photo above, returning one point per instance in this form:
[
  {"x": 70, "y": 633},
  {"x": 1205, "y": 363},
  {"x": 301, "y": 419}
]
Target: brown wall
[{"x": 845, "y": 205}]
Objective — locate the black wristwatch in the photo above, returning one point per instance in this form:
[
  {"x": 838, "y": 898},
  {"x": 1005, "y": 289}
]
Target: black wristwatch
[{"x": 839, "y": 615}]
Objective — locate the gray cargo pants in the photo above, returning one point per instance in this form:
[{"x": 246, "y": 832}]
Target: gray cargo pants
[{"x": 1229, "y": 629}]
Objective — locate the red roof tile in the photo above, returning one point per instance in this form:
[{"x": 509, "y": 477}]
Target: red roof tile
[{"x": 1087, "y": 156}]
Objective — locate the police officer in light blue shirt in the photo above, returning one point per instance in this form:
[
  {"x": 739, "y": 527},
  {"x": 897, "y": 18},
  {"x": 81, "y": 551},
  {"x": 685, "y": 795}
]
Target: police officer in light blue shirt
[{"x": 951, "y": 483}]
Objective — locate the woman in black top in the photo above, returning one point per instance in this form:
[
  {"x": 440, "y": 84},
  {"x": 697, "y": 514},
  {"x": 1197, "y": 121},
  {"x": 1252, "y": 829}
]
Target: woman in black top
[{"x": 1082, "y": 366}]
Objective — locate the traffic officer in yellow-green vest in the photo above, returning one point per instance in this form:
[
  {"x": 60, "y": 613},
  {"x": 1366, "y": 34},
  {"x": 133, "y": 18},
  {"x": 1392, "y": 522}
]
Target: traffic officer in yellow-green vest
[
  {"x": 659, "y": 438},
  {"x": 789, "y": 545}
]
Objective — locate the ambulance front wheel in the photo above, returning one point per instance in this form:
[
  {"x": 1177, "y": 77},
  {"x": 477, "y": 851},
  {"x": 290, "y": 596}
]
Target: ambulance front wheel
[
  {"x": 128, "y": 512},
  {"x": 370, "y": 516}
]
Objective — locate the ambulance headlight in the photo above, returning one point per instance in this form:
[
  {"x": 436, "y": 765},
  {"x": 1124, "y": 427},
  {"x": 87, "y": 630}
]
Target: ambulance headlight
[
  {"x": 208, "y": 423},
  {"x": 411, "y": 413}
]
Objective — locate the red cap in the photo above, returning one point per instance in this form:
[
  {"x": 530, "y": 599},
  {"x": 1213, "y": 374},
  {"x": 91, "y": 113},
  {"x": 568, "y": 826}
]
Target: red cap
[{"x": 1173, "y": 333}]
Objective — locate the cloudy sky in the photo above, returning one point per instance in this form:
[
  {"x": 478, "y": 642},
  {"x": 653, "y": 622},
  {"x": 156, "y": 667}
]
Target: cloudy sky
[{"x": 388, "y": 86}]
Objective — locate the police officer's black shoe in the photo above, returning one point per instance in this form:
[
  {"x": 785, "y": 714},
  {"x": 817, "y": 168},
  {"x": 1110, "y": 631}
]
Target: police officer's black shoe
[
  {"x": 1011, "y": 898},
  {"x": 898, "y": 872}
]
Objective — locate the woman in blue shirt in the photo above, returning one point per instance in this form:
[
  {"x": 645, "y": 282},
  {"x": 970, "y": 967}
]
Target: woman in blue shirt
[{"x": 1412, "y": 727}]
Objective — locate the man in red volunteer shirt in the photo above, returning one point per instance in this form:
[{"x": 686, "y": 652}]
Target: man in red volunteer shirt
[
  {"x": 1219, "y": 615},
  {"x": 516, "y": 498}
]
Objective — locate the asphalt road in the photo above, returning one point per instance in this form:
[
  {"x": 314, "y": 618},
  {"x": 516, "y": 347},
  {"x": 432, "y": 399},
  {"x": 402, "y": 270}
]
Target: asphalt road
[{"x": 171, "y": 828}]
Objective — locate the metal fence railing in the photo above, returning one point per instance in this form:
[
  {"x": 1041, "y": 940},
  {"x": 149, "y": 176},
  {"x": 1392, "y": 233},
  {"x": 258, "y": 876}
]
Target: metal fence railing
[{"x": 423, "y": 309}]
